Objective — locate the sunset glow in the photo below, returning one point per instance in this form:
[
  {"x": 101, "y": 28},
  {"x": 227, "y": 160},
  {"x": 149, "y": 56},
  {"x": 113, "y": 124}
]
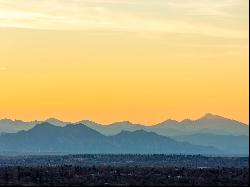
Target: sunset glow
[{"x": 114, "y": 60}]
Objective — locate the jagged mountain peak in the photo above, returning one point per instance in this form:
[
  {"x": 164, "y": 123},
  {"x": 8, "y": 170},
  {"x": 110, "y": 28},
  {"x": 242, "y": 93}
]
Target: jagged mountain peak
[
  {"x": 123, "y": 123},
  {"x": 44, "y": 125},
  {"x": 211, "y": 116},
  {"x": 56, "y": 122},
  {"x": 53, "y": 119},
  {"x": 169, "y": 121}
]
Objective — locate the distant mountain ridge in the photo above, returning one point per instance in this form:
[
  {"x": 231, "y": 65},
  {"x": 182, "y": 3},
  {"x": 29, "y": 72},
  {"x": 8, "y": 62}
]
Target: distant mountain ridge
[
  {"x": 11, "y": 126},
  {"x": 79, "y": 138},
  {"x": 223, "y": 134},
  {"x": 209, "y": 123}
]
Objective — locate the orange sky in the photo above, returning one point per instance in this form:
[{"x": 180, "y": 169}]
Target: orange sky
[{"x": 116, "y": 60}]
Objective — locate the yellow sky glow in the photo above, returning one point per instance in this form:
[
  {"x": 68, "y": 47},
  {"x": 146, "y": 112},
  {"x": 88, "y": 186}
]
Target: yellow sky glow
[{"x": 113, "y": 60}]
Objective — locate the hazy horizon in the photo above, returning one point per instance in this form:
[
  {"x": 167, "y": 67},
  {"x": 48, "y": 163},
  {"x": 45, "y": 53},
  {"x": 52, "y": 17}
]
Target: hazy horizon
[{"x": 122, "y": 121}]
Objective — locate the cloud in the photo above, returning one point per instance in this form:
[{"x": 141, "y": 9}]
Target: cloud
[
  {"x": 204, "y": 7},
  {"x": 127, "y": 15}
]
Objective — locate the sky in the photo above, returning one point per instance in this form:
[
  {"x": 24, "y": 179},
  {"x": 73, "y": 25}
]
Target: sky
[{"x": 113, "y": 60}]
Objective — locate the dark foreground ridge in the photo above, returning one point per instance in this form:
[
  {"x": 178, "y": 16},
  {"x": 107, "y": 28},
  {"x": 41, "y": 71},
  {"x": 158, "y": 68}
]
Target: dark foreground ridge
[
  {"x": 122, "y": 176},
  {"x": 124, "y": 170}
]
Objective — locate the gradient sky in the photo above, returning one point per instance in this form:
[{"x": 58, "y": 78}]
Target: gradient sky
[{"x": 113, "y": 60}]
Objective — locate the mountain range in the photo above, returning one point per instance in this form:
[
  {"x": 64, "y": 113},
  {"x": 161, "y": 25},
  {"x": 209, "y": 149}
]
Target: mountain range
[
  {"x": 211, "y": 133},
  {"x": 209, "y": 123},
  {"x": 78, "y": 138}
]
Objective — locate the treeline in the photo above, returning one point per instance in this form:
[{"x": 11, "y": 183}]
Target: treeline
[{"x": 122, "y": 176}]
